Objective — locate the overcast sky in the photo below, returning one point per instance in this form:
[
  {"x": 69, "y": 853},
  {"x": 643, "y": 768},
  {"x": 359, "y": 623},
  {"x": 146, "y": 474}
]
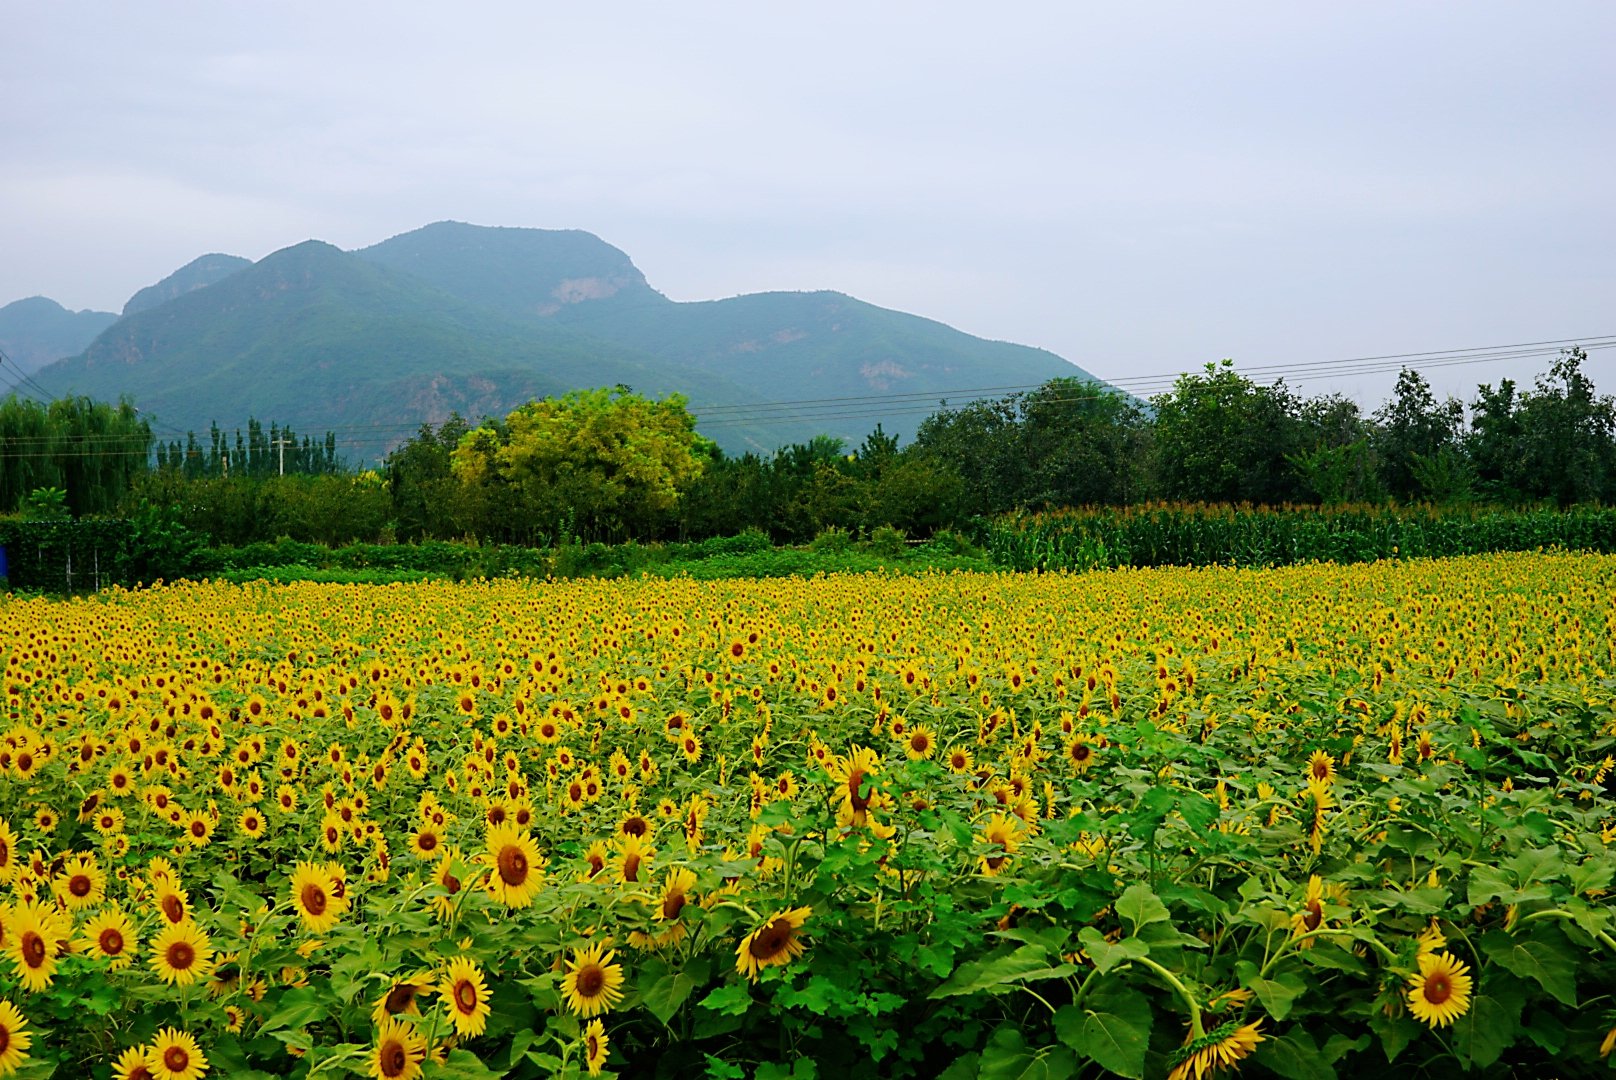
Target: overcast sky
[{"x": 1141, "y": 188}]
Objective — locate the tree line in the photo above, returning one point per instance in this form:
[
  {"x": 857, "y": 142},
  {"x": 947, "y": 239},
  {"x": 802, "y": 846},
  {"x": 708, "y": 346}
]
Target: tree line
[{"x": 611, "y": 465}]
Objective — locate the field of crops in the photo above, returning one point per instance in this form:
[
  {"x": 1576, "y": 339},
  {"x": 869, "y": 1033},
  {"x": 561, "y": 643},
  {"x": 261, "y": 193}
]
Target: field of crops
[{"x": 1306, "y": 821}]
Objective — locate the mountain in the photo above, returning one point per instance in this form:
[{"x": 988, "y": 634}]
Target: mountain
[
  {"x": 196, "y": 274},
  {"x": 319, "y": 338},
  {"x": 35, "y": 331},
  {"x": 456, "y": 317}
]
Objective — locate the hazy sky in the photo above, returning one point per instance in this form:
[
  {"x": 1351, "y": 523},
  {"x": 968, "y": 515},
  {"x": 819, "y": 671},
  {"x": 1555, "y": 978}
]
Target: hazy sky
[{"x": 1141, "y": 188}]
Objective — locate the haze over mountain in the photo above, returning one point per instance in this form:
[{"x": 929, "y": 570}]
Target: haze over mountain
[
  {"x": 35, "y": 331},
  {"x": 455, "y": 317}
]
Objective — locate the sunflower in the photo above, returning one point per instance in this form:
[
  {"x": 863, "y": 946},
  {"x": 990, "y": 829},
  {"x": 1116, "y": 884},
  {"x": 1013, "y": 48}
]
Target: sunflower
[
  {"x": 8, "y": 853},
  {"x": 1321, "y": 767},
  {"x": 776, "y": 942},
  {"x": 133, "y": 1064},
  {"x": 592, "y": 984},
  {"x": 251, "y": 823},
  {"x": 81, "y": 884},
  {"x": 446, "y": 877},
  {"x": 465, "y": 995},
  {"x": 634, "y": 859},
  {"x": 959, "y": 760},
  {"x": 1004, "y": 833},
  {"x": 426, "y": 843},
  {"x": 596, "y": 1047},
  {"x": 35, "y": 936},
  {"x": 181, "y": 954},
  {"x": 314, "y": 894},
  {"x": 920, "y": 743},
  {"x": 1311, "y": 915},
  {"x": 402, "y": 998},
  {"x": 14, "y": 1040},
  {"x": 1080, "y": 753},
  {"x": 198, "y": 829},
  {"x": 171, "y": 901},
  {"x": 111, "y": 935},
  {"x": 517, "y": 866},
  {"x": 1440, "y": 993},
  {"x": 1221, "y": 1048},
  {"x": 399, "y": 1051},
  {"x": 174, "y": 1055}
]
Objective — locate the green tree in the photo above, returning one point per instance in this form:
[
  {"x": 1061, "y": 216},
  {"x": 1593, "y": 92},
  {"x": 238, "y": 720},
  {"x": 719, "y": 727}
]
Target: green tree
[
  {"x": 1219, "y": 437},
  {"x": 1411, "y": 427},
  {"x": 1567, "y": 441},
  {"x": 609, "y": 464}
]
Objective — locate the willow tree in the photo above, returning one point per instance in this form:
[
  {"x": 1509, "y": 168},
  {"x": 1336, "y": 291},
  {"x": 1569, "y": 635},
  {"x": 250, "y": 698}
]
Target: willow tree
[{"x": 90, "y": 449}]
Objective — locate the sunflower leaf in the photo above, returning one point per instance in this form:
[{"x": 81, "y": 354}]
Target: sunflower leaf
[
  {"x": 1115, "y": 1033},
  {"x": 1141, "y": 907},
  {"x": 1295, "y": 1057},
  {"x": 998, "y": 970},
  {"x": 1106, "y": 955},
  {"x": 1483, "y": 1033},
  {"x": 1539, "y": 957}
]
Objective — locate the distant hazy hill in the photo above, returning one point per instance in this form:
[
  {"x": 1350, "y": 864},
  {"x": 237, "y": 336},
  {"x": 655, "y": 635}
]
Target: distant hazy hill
[
  {"x": 196, "y": 274},
  {"x": 35, "y": 331},
  {"x": 463, "y": 318},
  {"x": 323, "y": 339}
]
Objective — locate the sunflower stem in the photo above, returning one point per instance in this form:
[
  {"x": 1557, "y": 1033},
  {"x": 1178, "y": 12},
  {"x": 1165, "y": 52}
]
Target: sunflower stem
[{"x": 1196, "y": 1028}]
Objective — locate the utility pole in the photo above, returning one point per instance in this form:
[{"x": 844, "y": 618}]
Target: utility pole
[{"x": 280, "y": 444}]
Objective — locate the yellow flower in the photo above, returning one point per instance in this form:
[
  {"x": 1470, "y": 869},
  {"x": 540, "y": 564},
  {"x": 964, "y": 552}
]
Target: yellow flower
[
  {"x": 174, "y": 1055},
  {"x": 592, "y": 984},
  {"x": 14, "y": 1040},
  {"x": 314, "y": 895},
  {"x": 1221, "y": 1048},
  {"x": 515, "y": 878},
  {"x": 399, "y": 1051},
  {"x": 111, "y": 935},
  {"x": 1440, "y": 993},
  {"x": 33, "y": 937},
  {"x": 595, "y": 1047},
  {"x": 775, "y": 943},
  {"x": 465, "y": 995},
  {"x": 181, "y": 954}
]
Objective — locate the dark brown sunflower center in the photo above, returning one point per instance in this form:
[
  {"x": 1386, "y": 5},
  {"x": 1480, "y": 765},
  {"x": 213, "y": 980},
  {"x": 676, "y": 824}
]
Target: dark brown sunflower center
[
  {"x": 173, "y": 908},
  {"x": 176, "y": 1059},
  {"x": 428, "y": 841},
  {"x": 512, "y": 865},
  {"x": 180, "y": 956},
  {"x": 314, "y": 899},
  {"x": 79, "y": 885},
  {"x": 399, "y": 998},
  {"x": 772, "y": 940},
  {"x": 590, "y": 980},
  {"x": 855, "y": 782},
  {"x": 33, "y": 949},
  {"x": 110, "y": 941},
  {"x": 672, "y": 904},
  {"x": 631, "y": 867},
  {"x": 635, "y": 826},
  {"x": 393, "y": 1058},
  {"x": 1438, "y": 989},
  {"x": 465, "y": 995},
  {"x": 451, "y": 883}
]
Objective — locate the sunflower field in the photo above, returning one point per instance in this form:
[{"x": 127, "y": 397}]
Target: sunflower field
[{"x": 1303, "y": 822}]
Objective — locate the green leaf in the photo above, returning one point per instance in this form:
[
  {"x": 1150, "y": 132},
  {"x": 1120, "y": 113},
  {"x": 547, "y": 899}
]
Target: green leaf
[
  {"x": 1295, "y": 1057},
  {"x": 1483, "y": 1033},
  {"x": 1276, "y": 994},
  {"x": 997, "y": 970},
  {"x": 464, "y": 1065},
  {"x": 664, "y": 996},
  {"x": 1141, "y": 907},
  {"x": 1115, "y": 1033},
  {"x": 1395, "y": 1032},
  {"x": 730, "y": 999},
  {"x": 1007, "y": 1057},
  {"x": 1539, "y": 957},
  {"x": 298, "y": 1006},
  {"x": 1106, "y": 955}
]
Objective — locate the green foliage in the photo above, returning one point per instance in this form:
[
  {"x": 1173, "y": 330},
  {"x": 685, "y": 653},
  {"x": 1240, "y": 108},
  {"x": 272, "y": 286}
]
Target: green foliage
[
  {"x": 1202, "y": 535},
  {"x": 603, "y": 463},
  {"x": 90, "y": 450}
]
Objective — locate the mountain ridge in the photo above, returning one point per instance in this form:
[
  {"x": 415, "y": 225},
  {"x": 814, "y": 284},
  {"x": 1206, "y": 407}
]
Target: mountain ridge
[{"x": 478, "y": 319}]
